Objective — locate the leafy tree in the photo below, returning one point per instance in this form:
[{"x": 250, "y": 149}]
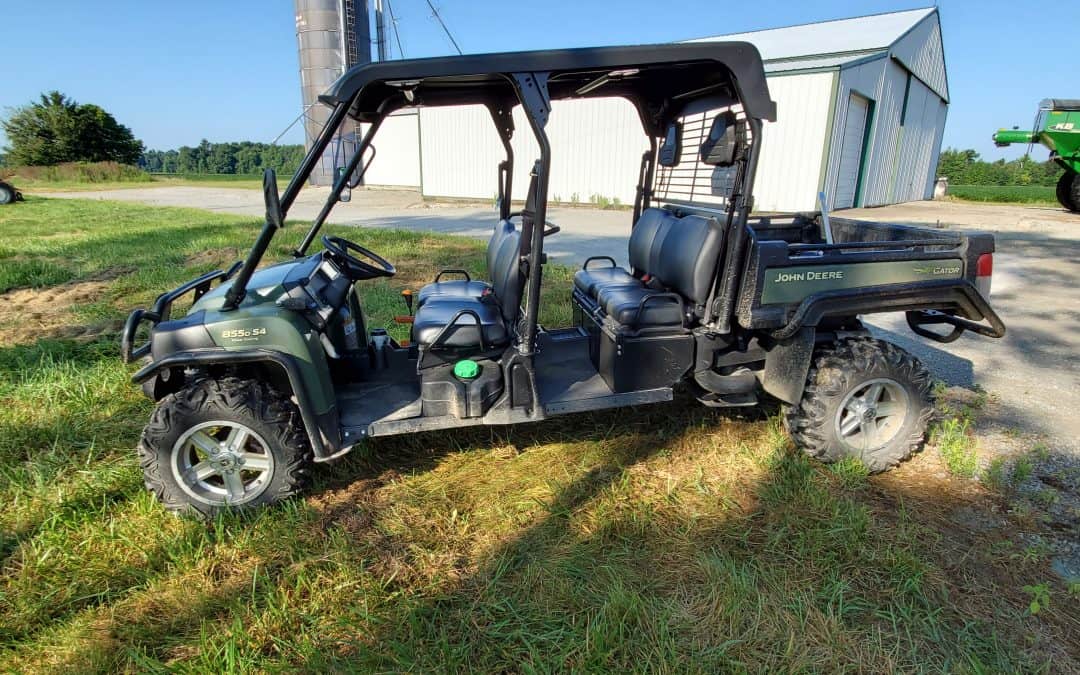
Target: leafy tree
[
  {"x": 57, "y": 129},
  {"x": 965, "y": 167}
]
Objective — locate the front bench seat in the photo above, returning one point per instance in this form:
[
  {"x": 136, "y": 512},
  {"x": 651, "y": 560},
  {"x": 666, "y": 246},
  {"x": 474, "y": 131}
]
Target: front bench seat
[
  {"x": 468, "y": 288},
  {"x": 436, "y": 314},
  {"x": 497, "y": 311}
]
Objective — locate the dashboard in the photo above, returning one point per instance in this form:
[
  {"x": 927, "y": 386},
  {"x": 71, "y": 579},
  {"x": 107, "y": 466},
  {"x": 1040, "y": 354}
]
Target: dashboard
[{"x": 316, "y": 288}]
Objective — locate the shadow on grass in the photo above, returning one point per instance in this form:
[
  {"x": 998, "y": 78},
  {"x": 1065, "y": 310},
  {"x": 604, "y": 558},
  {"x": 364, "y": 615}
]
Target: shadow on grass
[{"x": 650, "y": 551}]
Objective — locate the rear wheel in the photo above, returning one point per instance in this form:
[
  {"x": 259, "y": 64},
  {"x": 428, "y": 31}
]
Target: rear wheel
[
  {"x": 220, "y": 444},
  {"x": 866, "y": 399},
  {"x": 1068, "y": 190},
  {"x": 7, "y": 194}
]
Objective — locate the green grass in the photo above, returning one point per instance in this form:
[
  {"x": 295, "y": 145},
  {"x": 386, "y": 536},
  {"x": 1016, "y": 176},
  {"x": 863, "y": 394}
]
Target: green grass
[
  {"x": 669, "y": 538},
  {"x": 1008, "y": 194},
  {"x": 957, "y": 447}
]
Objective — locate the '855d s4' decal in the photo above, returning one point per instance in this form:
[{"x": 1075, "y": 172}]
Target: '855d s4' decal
[
  {"x": 794, "y": 283},
  {"x": 252, "y": 334}
]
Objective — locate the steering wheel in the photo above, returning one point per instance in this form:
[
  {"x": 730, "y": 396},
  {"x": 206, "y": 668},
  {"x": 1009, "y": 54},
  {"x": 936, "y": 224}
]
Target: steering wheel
[{"x": 354, "y": 268}]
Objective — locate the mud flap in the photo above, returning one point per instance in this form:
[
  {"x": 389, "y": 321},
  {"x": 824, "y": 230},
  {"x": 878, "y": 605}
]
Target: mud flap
[{"x": 787, "y": 365}]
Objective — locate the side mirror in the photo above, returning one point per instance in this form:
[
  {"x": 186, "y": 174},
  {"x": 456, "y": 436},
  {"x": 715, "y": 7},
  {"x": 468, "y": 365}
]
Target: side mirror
[
  {"x": 274, "y": 216},
  {"x": 346, "y": 190},
  {"x": 671, "y": 150},
  {"x": 725, "y": 142}
]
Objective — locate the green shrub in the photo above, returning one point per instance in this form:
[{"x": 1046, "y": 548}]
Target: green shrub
[
  {"x": 82, "y": 172},
  {"x": 1022, "y": 194}
]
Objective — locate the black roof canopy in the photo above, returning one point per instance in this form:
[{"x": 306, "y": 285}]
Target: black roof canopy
[{"x": 656, "y": 78}]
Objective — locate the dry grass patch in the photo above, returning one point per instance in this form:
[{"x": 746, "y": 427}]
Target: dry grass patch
[{"x": 31, "y": 314}]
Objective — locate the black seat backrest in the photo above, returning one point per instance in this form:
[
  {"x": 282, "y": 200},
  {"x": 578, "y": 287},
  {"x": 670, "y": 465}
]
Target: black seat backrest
[
  {"x": 645, "y": 239},
  {"x": 502, "y": 228},
  {"x": 508, "y": 280},
  {"x": 689, "y": 254}
]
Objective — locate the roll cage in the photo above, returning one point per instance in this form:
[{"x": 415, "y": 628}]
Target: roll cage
[{"x": 660, "y": 81}]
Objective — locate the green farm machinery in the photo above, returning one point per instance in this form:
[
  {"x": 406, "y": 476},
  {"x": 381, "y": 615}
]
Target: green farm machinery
[{"x": 1057, "y": 126}]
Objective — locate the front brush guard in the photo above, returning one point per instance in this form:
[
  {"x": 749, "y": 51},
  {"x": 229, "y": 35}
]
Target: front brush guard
[{"x": 162, "y": 310}]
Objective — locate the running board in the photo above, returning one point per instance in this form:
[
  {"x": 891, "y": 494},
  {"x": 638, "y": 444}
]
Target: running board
[{"x": 642, "y": 397}]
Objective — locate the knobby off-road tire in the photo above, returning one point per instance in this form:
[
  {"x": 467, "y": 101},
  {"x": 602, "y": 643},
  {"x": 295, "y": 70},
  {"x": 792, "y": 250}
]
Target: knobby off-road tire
[
  {"x": 224, "y": 444},
  {"x": 1068, "y": 191},
  {"x": 864, "y": 398},
  {"x": 7, "y": 194}
]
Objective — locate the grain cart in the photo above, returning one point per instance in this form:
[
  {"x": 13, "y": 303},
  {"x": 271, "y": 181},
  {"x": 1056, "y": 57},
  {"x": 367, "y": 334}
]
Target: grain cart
[{"x": 1057, "y": 126}]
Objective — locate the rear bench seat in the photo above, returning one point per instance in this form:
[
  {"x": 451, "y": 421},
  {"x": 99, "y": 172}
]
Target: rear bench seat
[{"x": 673, "y": 262}]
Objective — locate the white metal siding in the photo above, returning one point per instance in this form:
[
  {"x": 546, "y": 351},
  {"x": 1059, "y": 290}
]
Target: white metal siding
[
  {"x": 792, "y": 147},
  {"x": 460, "y": 152},
  {"x": 918, "y": 139},
  {"x": 882, "y": 160},
  {"x": 939, "y": 131},
  {"x": 397, "y": 152},
  {"x": 922, "y": 53},
  {"x": 851, "y": 152},
  {"x": 596, "y": 151},
  {"x": 863, "y": 80}
]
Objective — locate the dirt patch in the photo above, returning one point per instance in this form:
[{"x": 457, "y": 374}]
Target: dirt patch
[
  {"x": 352, "y": 507},
  {"x": 220, "y": 256},
  {"x": 29, "y": 314}
]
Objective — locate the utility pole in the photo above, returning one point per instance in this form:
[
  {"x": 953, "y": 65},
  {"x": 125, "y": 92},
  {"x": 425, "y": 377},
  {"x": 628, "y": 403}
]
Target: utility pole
[{"x": 380, "y": 30}]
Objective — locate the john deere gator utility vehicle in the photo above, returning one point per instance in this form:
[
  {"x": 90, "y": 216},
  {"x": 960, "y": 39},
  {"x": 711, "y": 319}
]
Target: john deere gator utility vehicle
[
  {"x": 275, "y": 368},
  {"x": 1057, "y": 126}
]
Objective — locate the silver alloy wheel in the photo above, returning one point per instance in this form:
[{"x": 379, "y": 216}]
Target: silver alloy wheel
[
  {"x": 872, "y": 414},
  {"x": 222, "y": 463}
]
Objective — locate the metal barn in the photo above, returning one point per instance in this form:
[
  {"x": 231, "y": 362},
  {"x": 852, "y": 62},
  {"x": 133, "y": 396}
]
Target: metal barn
[{"x": 861, "y": 110}]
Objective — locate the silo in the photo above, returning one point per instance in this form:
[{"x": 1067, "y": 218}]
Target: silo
[{"x": 331, "y": 35}]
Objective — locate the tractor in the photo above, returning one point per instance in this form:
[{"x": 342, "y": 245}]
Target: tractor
[{"x": 1057, "y": 126}]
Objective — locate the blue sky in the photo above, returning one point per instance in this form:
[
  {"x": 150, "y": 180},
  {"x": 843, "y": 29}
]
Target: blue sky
[{"x": 176, "y": 72}]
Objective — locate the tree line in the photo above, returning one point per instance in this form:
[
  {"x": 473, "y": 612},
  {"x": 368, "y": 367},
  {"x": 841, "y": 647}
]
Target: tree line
[
  {"x": 240, "y": 158},
  {"x": 965, "y": 167}
]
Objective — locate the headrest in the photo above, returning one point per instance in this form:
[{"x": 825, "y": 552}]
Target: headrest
[
  {"x": 726, "y": 141},
  {"x": 671, "y": 150}
]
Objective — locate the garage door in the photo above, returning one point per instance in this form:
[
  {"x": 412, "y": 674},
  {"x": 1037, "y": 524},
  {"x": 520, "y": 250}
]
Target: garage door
[{"x": 851, "y": 152}]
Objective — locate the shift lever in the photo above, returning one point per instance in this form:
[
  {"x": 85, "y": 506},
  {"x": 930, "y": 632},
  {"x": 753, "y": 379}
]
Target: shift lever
[{"x": 407, "y": 295}]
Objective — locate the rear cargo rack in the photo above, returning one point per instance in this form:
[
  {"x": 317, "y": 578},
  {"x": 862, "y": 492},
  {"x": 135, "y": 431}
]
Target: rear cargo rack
[{"x": 910, "y": 243}]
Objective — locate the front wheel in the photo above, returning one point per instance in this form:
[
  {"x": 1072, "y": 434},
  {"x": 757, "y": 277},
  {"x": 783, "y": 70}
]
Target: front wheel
[
  {"x": 1068, "y": 190},
  {"x": 866, "y": 399},
  {"x": 227, "y": 443}
]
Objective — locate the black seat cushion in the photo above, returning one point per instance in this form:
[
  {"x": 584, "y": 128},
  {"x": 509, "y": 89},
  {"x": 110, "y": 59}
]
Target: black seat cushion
[
  {"x": 621, "y": 304},
  {"x": 589, "y": 281},
  {"x": 438, "y": 312},
  {"x": 460, "y": 288},
  {"x": 454, "y": 288},
  {"x": 646, "y": 239}
]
